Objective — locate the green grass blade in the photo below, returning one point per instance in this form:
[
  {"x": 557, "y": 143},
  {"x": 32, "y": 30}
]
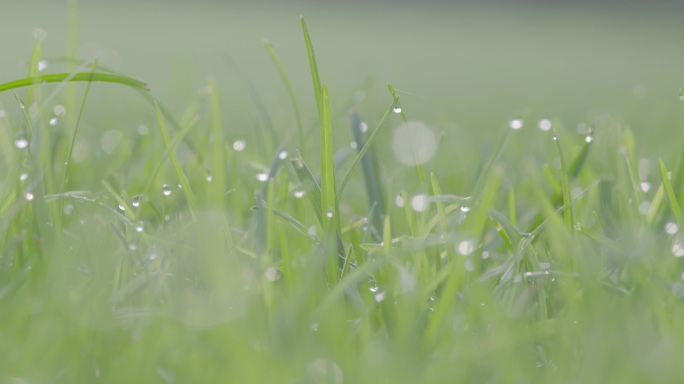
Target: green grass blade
[
  {"x": 77, "y": 77},
  {"x": 311, "y": 187},
  {"x": 290, "y": 93},
  {"x": 182, "y": 179},
  {"x": 314, "y": 70},
  {"x": 565, "y": 185},
  {"x": 366, "y": 147},
  {"x": 669, "y": 192},
  {"x": 328, "y": 202}
]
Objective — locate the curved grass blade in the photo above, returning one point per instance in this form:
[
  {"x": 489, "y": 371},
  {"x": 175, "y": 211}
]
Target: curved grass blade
[
  {"x": 77, "y": 77},
  {"x": 669, "y": 192},
  {"x": 565, "y": 185},
  {"x": 313, "y": 68}
]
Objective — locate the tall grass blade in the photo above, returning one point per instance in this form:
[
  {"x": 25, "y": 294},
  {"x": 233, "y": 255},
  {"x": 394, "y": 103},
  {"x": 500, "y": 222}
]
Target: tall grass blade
[{"x": 669, "y": 192}]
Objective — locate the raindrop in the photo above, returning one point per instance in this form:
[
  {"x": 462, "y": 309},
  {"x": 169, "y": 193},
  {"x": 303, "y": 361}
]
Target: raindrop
[
  {"x": 555, "y": 138},
  {"x": 42, "y": 65},
  {"x": 671, "y": 228},
  {"x": 544, "y": 124},
  {"x": 23, "y": 177},
  {"x": 282, "y": 155},
  {"x": 399, "y": 201},
  {"x": 379, "y": 297},
  {"x": 485, "y": 255},
  {"x": 262, "y": 176},
  {"x": 28, "y": 196},
  {"x": 136, "y": 200},
  {"x": 465, "y": 208},
  {"x": 53, "y": 121},
  {"x": 21, "y": 104},
  {"x": 39, "y": 34},
  {"x": 272, "y": 274},
  {"x": 209, "y": 178},
  {"x": 329, "y": 214},
  {"x": 589, "y": 138},
  {"x": 298, "y": 194},
  {"x": 414, "y": 143},
  {"x": 374, "y": 287},
  {"x": 21, "y": 143},
  {"x": 121, "y": 207},
  {"x": 677, "y": 248},
  {"x": 354, "y": 144},
  {"x": 314, "y": 327},
  {"x": 363, "y": 127},
  {"x": 397, "y": 109},
  {"x": 420, "y": 203},
  {"x": 166, "y": 190},
  {"x": 645, "y": 186},
  {"x": 466, "y": 247},
  {"x": 516, "y": 124},
  {"x": 143, "y": 130},
  {"x": 239, "y": 145},
  {"x": 180, "y": 186},
  {"x": 58, "y": 110},
  {"x": 139, "y": 226}
]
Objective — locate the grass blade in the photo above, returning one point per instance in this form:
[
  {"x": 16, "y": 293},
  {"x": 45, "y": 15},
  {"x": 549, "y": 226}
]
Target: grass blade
[
  {"x": 565, "y": 185},
  {"x": 669, "y": 192},
  {"x": 314, "y": 69},
  {"x": 77, "y": 77}
]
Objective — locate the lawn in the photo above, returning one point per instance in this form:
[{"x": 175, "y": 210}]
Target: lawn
[{"x": 384, "y": 193}]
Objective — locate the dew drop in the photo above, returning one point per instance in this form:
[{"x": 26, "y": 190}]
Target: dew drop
[
  {"x": 21, "y": 143},
  {"x": 374, "y": 288},
  {"x": 544, "y": 124},
  {"x": 272, "y": 274},
  {"x": 516, "y": 124},
  {"x": 58, "y": 110},
  {"x": 354, "y": 145},
  {"x": 671, "y": 228},
  {"x": 239, "y": 145},
  {"x": 23, "y": 177},
  {"x": 364, "y": 127},
  {"x": 209, "y": 178},
  {"x": 420, "y": 203},
  {"x": 397, "y": 109},
  {"x": 28, "y": 196},
  {"x": 132, "y": 247},
  {"x": 466, "y": 247},
  {"x": 53, "y": 121},
  {"x": 589, "y": 138},
  {"x": 39, "y": 34},
  {"x": 143, "y": 130},
  {"x": 380, "y": 297},
  {"x": 42, "y": 65},
  {"x": 166, "y": 190},
  {"x": 464, "y": 208},
  {"x": 645, "y": 186},
  {"x": 121, "y": 207},
  {"x": 329, "y": 214},
  {"x": 282, "y": 155},
  {"x": 139, "y": 226},
  {"x": 298, "y": 194},
  {"x": 399, "y": 201},
  {"x": 136, "y": 200},
  {"x": 677, "y": 248},
  {"x": 262, "y": 176}
]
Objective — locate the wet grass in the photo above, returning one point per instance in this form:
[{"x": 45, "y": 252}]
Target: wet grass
[{"x": 180, "y": 251}]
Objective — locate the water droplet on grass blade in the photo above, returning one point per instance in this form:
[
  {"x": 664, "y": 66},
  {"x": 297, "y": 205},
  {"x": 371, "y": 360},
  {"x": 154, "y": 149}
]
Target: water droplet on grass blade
[
  {"x": 544, "y": 124},
  {"x": 589, "y": 138},
  {"x": 298, "y": 194},
  {"x": 464, "y": 208},
  {"x": 645, "y": 186},
  {"x": 58, "y": 110},
  {"x": 262, "y": 176},
  {"x": 671, "y": 228},
  {"x": 209, "y": 178},
  {"x": 516, "y": 124},
  {"x": 136, "y": 200},
  {"x": 53, "y": 121},
  {"x": 21, "y": 142},
  {"x": 42, "y": 65},
  {"x": 354, "y": 145},
  {"x": 396, "y": 109},
  {"x": 166, "y": 190},
  {"x": 677, "y": 248},
  {"x": 399, "y": 201},
  {"x": 329, "y": 214},
  {"x": 272, "y": 274},
  {"x": 420, "y": 203},
  {"x": 239, "y": 145},
  {"x": 121, "y": 207},
  {"x": 363, "y": 127},
  {"x": 139, "y": 226},
  {"x": 379, "y": 297},
  {"x": 23, "y": 177},
  {"x": 28, "y": 196},
  {"x": 466, "y": 247},
  {"x": 282, "y": 155}
]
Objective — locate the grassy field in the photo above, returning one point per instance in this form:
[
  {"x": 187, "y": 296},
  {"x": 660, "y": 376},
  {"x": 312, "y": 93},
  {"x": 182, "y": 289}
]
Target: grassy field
[{"x": 460, "y": 194}]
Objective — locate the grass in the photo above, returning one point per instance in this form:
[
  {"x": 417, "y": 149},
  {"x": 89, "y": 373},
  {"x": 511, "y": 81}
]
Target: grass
[{"x": 176, "y": 254}]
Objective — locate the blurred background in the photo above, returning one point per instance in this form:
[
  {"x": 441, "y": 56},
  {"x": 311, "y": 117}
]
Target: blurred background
[{"x": 469, "y": 67}]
